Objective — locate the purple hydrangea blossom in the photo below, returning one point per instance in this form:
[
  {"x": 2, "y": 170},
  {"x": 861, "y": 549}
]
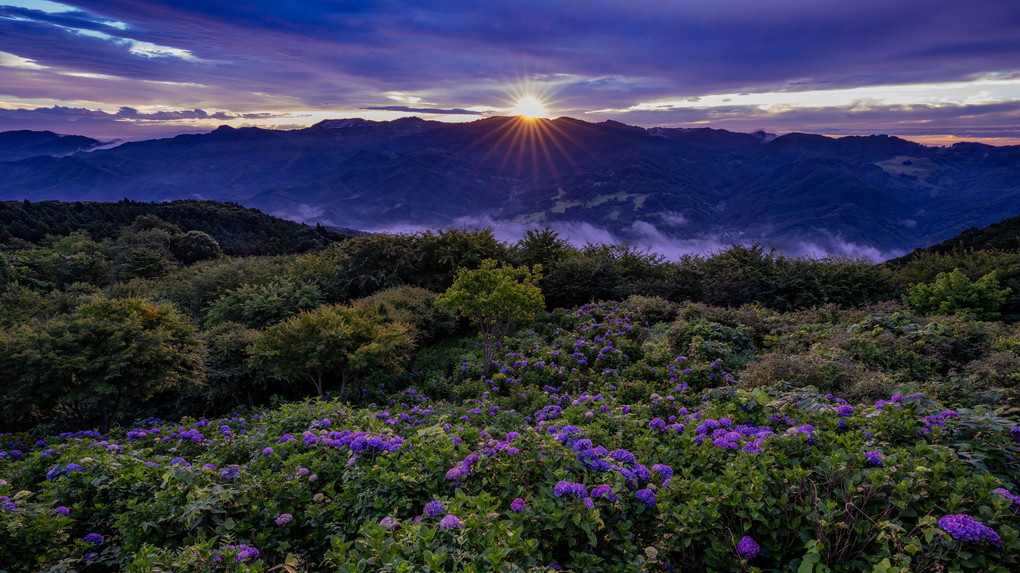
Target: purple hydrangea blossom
[
  {"x": 284, "y": 518},
  {"x": 874, "y": 458},
  {"x": 1003, "y": 492},
  {"x": 747, "y": 548},
  {"x": 517, "y": 504},
  {"x": 449, "y": 522},
  {"x": 434, "y": 509},
  {"x": 963, "y": 527},
  {"x": 665, "y": 471},
  {"x": 94, "y": 538},
  {"x": 389, "y": 522},
  {"x": 604, "y": 491},
  {"x": 647, "y": 496}
]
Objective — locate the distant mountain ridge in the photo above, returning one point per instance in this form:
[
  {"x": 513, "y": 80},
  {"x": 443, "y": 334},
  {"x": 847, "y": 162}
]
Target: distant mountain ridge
[
  {"x": 876, "y": 195},
  {"x": 21, "y": 144}
]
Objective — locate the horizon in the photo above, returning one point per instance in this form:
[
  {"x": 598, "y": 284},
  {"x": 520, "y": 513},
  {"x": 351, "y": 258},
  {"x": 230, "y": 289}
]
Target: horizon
[
  {"x": 111, "y": 141},
  {"x": 933, "y": 73}
]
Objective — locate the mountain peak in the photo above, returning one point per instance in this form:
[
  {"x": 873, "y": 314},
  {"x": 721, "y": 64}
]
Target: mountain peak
[{"x": 341, "y": 123}]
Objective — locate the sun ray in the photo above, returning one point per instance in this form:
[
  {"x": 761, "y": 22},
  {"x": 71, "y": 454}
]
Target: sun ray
[{"x": 530, "y": 107}]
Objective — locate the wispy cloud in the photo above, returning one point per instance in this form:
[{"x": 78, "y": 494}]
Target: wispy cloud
[
  {"x": 429, "y": 110},
  {"x": 647, "y": 61}
]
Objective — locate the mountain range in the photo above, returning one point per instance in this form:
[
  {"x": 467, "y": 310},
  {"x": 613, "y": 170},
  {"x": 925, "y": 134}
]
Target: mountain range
[{"x": 665, "y": 188}]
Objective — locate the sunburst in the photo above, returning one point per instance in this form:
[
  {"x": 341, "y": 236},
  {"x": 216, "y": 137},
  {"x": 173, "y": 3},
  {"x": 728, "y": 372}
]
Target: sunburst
[{"x": 530, "y": 107}]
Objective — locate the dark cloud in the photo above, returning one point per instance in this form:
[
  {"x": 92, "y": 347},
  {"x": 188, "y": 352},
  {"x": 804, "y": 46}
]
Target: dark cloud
[{"x": 407, "y": 109}]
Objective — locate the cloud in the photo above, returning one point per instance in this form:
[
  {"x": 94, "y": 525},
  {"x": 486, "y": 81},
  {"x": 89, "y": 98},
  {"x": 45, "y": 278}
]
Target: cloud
[
  {"x": 407, "y": 109},
  {"x": 468, "y": 54},
  {"x": 125, "y": 122}
]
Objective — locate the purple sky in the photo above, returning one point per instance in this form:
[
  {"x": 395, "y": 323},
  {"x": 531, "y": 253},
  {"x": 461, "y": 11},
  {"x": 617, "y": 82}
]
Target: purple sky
[{"x": 934, "y": 71}]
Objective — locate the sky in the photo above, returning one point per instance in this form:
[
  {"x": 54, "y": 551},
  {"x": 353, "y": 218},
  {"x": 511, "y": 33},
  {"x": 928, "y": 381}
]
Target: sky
[{"x": 933, "y": 71}]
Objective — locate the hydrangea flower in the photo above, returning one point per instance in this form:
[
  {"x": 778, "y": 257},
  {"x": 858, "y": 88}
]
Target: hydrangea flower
[
  {"x": 647, "y": 496},
  {"x": 665, "y": 471},
  {"x": 434, "y": 509},
  {"x": 605, "y": 491},
  {"x": 449, "y": 522},
  {"x": 284, "y": 518},
  {"x": 517, "y": 504},
  {"x": 389, "y": 522},
  {"x": 94, "y": 538},
  {"x": 874, "y": 458},
  {"x": 1013, "y": 499},
  {"x": 243, "y": 552},
  {"x": 843, "y": 411},
  {"x": 747, "y": 548},
  {"x": 62, "y": 510},
  {"x": 963, "y": 527}
]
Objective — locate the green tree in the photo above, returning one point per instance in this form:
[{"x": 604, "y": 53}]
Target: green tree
[
  {"x": 494, "y": 299},
  {"x": 229, "y": 376},
  {"x": 260, "y": 305},
  {"x": 328, "y": 340},
  {"x": 194, "y": 246},
  {"x": 954, "y": 292},
  {"x": 106, "y": 355}
]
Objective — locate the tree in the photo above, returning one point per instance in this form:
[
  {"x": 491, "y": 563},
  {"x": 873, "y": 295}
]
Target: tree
[
  {"x": 494, "y": 299},
  {"x": 954, "y": 292},
  {"x": 106, "y": 355},
  {"x": 330, "y": 339},
  {"x": 194, "y": 246}
]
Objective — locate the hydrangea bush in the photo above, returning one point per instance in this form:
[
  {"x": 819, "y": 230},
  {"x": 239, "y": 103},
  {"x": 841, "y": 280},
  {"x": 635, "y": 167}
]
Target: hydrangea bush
[{"x": 587, "y": 448}]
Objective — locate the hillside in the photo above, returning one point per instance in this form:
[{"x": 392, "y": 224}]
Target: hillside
[
  {"x": 805, "y": 193},
  {"x": 239, "y": 231},
  {"x": 15, "y": 145},
  {"x": 168, "y": 407},
  {"x": 1001, "y": 236}
]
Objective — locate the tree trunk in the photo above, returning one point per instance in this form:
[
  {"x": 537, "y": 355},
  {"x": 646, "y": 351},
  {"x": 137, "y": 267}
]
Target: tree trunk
[{"x": 316, "y": 378}]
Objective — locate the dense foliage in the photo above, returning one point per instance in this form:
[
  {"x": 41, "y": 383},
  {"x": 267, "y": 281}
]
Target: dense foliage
[
  {"x": 739, "y": 411},
  {"x": 595, "y": 447},
  {"x": 239, "y": 231}
]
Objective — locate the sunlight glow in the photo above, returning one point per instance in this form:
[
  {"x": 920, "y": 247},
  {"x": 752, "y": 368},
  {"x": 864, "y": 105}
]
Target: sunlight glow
[
  {"x": 530, "y": 107},
  {"x": 983, "y": 91}
]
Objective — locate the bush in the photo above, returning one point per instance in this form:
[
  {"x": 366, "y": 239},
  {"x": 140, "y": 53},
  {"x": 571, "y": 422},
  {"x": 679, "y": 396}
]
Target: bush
[{"x": 955, "y": 293}]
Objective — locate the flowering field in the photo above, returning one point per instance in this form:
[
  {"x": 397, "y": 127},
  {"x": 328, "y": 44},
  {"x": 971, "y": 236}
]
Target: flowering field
[{"x": 592, "y": 446}]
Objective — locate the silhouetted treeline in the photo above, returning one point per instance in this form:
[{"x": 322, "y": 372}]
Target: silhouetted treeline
[{"x": 238, "y": 230}]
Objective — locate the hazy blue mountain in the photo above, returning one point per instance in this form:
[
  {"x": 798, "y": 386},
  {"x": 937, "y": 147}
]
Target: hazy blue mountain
[
  {"x": 876, "y": 195},
  {"x": 21, "y": 144}
]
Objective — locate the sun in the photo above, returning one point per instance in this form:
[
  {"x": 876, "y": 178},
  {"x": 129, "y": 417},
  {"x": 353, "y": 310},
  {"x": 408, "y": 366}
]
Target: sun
[{"x": 530, "y": 107}]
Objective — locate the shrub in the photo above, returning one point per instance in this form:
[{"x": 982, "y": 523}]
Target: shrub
[{"x": 955, "y": 293}]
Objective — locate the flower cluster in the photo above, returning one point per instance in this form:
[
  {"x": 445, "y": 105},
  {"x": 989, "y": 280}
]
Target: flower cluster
[
  {"x": 449, "y": 522},
  {"x": 241, "y": 553},
  {"x": 874, "y": 458},
  {"x": 647, "y": 496},
  {"x": 1014, "y": 500},
  {"x": 284, "y": 518},
  {"x": 434, "y": 509},
  {"x": 566, "y": 488},
  {"x": 747, "y": 548},
  {"x": 963, "y": 527}
]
